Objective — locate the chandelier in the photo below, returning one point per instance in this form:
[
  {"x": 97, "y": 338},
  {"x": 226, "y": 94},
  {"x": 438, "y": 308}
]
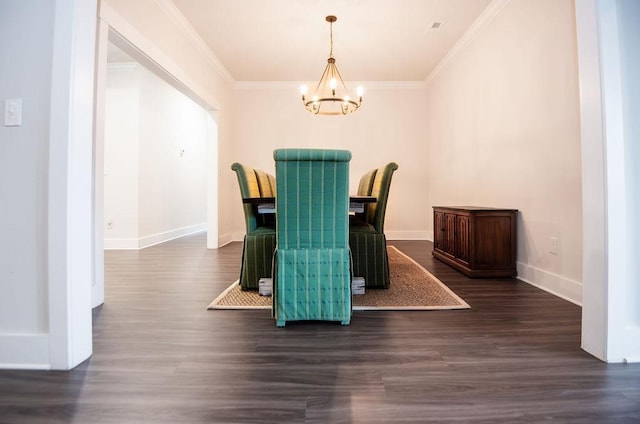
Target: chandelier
[{"x": 331, "y": 96}]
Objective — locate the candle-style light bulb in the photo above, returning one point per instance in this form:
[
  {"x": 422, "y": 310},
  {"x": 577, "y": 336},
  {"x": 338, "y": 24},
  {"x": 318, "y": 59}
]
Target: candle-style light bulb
[
  {"x": 333, "y": 83},
  {"x": 303, "y": 90},
  {"x": 360, "y": 91}
]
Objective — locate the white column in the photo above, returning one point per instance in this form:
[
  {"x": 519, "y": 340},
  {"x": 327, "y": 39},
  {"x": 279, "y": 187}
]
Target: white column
[
  {"x": 610, "y": 323},
  {"x": 594, "y": 287},
  {"x": 70, "y": 223},
  {"x": 102, "y": 46},
  {"x": 620, "y": 64},
  {"x": 212, "y": 182}
]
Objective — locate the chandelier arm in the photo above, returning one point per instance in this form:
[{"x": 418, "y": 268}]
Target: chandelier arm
[
  {"x": 324, "y": 78},
  {"x": 344, "y": 86}
]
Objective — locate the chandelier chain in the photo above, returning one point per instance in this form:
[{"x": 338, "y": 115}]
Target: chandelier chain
[{"x": 331, "y": 37}]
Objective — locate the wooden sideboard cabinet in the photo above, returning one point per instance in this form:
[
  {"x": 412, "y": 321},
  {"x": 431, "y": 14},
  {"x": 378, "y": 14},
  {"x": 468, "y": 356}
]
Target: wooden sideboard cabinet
[{"x": 479, "y": 242}]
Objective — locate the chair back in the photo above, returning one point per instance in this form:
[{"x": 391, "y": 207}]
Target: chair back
[
  {"x": 254, "y": 183},
  {"x": 312, "y": 198},
  {"x": 248, "y": 188},
  {"x": 266, "y": 183},
  {"x": 366, "y": 183},
  {"x": 380, "y": 189}
]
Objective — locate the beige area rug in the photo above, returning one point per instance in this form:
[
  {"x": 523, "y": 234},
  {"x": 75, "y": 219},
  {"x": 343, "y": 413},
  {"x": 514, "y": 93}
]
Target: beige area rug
[{"x": 412, "y": 288}]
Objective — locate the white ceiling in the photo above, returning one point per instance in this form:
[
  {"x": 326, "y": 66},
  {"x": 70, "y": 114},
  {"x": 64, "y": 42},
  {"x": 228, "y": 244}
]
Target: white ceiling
[{"x": 288, "y": 40}]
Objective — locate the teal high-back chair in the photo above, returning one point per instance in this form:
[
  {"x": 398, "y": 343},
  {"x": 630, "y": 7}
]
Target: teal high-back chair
[
  {"x": 260, "y": 238},
  {"x": 312, "y": 266},
  {"x": 366, "y": 236}
]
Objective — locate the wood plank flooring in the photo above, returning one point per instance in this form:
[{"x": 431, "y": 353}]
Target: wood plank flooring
[{"x": 161, "y": 357}]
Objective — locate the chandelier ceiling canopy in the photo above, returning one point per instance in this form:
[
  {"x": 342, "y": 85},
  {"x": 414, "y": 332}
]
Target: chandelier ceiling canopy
[{"x": 331, "y": 96}]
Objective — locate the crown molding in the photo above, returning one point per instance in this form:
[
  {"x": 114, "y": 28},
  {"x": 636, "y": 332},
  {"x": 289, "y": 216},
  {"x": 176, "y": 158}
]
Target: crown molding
[
  {"x": 143, "y": 51},
  {"x": 172, "y": 11},
  {"x": 492, "y": 10},
  {"x": 368, "y": 85}
]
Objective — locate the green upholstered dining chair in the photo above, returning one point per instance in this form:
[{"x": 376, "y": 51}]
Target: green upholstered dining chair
[
  {"x": 366, "y": 183},
  {"x": 312, "y": 265},
  {"x": 364, "y": 189},
  {"x": 260, "y": 238},
  {"x": 366, "y": 235}
]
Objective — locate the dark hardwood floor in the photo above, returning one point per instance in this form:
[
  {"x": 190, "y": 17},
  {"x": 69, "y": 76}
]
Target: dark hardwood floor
[{"x": 161, "y": 357}]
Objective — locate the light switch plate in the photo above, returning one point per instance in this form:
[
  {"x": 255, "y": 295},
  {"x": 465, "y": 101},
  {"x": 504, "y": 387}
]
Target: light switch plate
[{"x": 13, "y": 112}]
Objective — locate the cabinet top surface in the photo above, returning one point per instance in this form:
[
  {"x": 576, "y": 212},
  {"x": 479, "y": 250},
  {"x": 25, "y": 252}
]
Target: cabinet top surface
[{"x": 474, "y": 208}]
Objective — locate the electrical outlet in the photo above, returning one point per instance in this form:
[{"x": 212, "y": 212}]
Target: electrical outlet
[
  {"x": 553, "y": 248},
  {"x": 109, "y": 225}
]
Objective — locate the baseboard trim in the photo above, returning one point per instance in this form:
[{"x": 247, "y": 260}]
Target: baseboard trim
[
  {"x": 557, "y": 285},
  {"x": 625, "y": 348},
  {"x": 227, "y": 238},
  {"x": 153, "y": 239},
  {"x": 24, "y": 352},
  {"x": 158, "y": 238}
]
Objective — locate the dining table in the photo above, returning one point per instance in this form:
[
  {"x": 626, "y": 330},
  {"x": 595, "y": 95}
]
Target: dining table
[{"x": 267, "y": 205}]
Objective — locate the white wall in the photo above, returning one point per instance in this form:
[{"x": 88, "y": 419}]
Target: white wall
[
  {"x": 155, "y": 160},
  {"x": 173, "y": 161},
  {"x": 23, "y": 167},
  {"x": 121, "y": 156},
  {"x": 390, "y": 126},
  {"x": 503, "y": 128}
]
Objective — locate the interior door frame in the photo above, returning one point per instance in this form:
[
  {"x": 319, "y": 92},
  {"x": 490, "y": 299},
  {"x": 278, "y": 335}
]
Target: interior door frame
[{"x": 107, "y": 34}]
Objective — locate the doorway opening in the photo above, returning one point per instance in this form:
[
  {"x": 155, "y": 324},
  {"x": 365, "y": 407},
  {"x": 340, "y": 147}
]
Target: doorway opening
[{"x": 155, "y": 156}]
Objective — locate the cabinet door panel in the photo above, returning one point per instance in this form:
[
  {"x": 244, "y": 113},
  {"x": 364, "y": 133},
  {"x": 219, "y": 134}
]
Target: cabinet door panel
[
  {"x": 438, "y": 230},
  {"x": 462, "y": 238},
  {"x": 450, "y": 233}
]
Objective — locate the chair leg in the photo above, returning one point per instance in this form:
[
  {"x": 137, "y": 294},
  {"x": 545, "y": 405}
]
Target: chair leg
[{"x": 280, "y": 323}]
